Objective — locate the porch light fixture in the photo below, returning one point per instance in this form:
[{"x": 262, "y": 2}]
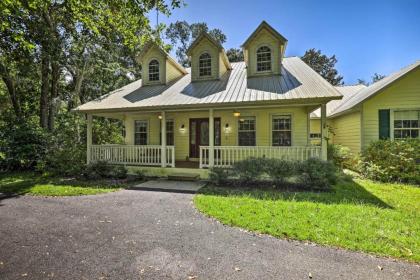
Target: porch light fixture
[
  {"x": 236, "y": 114},
  {"x": 182, "y": 128},
  {"x": 227, "y": 128},
  {"x": 160, "y": 117}
]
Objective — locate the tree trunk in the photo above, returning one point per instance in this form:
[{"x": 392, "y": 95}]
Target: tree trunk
[
  {"x": 55, "y": 76},
  {"x": 11, "y": 88},
  {"x": 44, "y": 104}
]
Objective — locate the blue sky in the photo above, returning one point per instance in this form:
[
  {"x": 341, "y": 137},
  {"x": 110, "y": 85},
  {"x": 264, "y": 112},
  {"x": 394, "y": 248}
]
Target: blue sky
[{"x": 366, "y": 36}]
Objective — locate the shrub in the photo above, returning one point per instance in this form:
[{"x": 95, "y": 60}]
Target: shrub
[
  {"x": 102, "y": 169},
  {"x": 317, "y": 174},
  {"x": 341, "y": 156},
  {"x": 119, "y": 172},
  {"x": 140, "y": 174},
  {"x": 218, "y": 175},
  {"x": 392, "y": 161},
  {"x": 22, "y": 146},
  {"x": 250, "y": 169},
  {"x": 279, "y": 169}
]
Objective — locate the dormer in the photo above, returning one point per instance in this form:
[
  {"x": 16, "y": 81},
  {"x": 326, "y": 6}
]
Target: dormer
[
  {"x": 264, "y": 51},
  {"x": 208, "y": 59},
  {"x": 158, "y": 67}
]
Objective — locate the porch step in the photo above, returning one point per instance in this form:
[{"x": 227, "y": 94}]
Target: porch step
[{"x": 183, "y": 177}]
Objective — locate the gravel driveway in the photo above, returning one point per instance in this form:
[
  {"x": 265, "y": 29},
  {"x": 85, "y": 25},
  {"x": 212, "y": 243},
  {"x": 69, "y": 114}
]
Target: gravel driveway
[{"x": 134, "y": 234}]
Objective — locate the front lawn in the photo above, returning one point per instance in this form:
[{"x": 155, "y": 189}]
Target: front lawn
[
  {"x": 361, "y": 215},
  {"x": 35, "y": 184}
]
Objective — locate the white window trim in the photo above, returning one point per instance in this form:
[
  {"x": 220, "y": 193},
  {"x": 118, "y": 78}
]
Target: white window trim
[
  {"x": 291, "y": 128},
  {"x": 173, "y": 132},
  {"x": 159, "y": 69},
  {"x": 211, "y": 65},
  {"x": 391, "y": 119},
  {"x": 148, "y": 132},
  {"x": 271, "y": 59},
  {"x": 237, "y": 129}
]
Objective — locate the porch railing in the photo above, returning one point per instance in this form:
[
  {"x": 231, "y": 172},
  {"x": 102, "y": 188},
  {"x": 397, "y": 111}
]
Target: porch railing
[
  {"x": 149, "y": 155},
  {"x": 226, "y": 156}
]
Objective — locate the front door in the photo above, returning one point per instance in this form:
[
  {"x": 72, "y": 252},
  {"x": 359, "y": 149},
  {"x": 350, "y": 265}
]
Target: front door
[{"x": 199, "y": 135}]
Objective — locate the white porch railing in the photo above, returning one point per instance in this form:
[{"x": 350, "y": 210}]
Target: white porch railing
[
  {"x": 225, "y": 156},
  {"x": 149, "y": 155}
]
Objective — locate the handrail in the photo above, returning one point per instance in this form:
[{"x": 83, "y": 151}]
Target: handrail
[
  {"x": 226, "y": 156},
  {"x": 145, "y": 155}
]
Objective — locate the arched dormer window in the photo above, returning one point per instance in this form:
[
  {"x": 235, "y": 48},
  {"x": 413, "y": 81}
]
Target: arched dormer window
[
  {"x": 263, "y": 59},
  {"x": 204, "y": 65},
  {"x": 154, "y": 70}
]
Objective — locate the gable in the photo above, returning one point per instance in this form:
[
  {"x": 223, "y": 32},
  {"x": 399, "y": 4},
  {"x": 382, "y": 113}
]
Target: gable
[
  {"x": 264, "y": 36},
  {"x": 403, "y": 92},
  {"x": 153, "y": 53}
]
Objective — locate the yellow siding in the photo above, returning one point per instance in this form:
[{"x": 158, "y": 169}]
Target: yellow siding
[
  {"x": 263, "y": 38},
  {"x": 222, "y": 66},
  {"x": 204, "y": 46},
  {"x": 228, "y": 136},
  {"x": 346, "y": 130},
  {"x": 153, "y": 53},
  {"x": 172, "y": 73},
  {"x": 315, "y": 127},
  {"x": 403, "y": 94}
]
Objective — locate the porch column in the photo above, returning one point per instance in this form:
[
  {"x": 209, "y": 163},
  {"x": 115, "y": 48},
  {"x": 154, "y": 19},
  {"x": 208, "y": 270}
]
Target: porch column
[
  {"x": 88, "y": 138},
  {"x": 324, "y": 144},
  {"x": 211, "y": 138},
  {"x": 163, "y": 132}
]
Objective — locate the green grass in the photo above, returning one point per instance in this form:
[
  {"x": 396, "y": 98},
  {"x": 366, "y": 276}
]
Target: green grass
[
  {"x": 360, "y": 215},
  {"x": 34, "y": 184}
]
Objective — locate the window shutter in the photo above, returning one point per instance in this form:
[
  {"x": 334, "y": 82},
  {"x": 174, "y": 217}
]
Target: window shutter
[{"x": 384, "y": 124}]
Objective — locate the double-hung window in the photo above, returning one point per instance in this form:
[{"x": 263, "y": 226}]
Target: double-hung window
[
  {"x": 263, "y": 59},
  {"x": 204, "y": 65},
  {"x": 154, "y": 70},
  {"x": 169, "y": 133},
  {"x": 246, "y": 132},
  {"x": 282, "y": 130},
  {"x": 406, "y": 124},
  {"x": 140, "y": 132}
]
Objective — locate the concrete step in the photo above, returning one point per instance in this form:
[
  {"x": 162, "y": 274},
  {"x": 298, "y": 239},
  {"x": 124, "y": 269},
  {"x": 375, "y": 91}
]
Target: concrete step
[{"x": 183, "y": 177}]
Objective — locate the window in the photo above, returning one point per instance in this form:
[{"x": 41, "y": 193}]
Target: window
[
  {"x": 140, "y": 132},
  {"x": 204, "y": 65},
  {"x": 246, "y": 132},
  {"x": 264, "y": 59},
  {"x": 406, "y": 124},
  {"x": 154, "y": 70},
  {"x": 282, "y": 131},
  {"x": 169, "y": 133},
  {"x": 315, "y": 135}
]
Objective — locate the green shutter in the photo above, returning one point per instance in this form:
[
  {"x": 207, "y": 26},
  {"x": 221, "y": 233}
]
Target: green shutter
[{"x": 384, "y": 124}]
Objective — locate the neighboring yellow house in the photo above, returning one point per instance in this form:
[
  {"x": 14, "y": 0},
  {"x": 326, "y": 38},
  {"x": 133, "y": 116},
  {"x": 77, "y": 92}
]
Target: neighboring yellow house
[
  {"x": 387, "y": 109},
  {"x": 216, "y": 112}
]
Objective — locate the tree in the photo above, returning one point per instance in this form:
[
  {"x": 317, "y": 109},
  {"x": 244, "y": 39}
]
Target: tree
[
  {"x": 235, "y": 55},
  {"x": 377, "y": 77},
  {"x": 39, "y": 33},
  {"x": 181, "y": 34},
  {"x": 324, "y": 65}
]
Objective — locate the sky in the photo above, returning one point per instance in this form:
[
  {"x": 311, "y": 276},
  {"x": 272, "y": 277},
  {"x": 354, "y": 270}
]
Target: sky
[{"x": 367, "y": 37}]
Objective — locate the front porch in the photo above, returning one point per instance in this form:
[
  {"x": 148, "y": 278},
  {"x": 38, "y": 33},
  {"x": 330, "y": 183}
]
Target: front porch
[
  {"x": 224, "y": 156},
  {"x": 200, "y": 139}
]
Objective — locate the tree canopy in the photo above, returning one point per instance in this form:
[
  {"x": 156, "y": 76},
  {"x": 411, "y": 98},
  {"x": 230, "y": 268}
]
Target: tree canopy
[
  {"x": 181, "y": 34},
  {"x": 235, "y": 55},
  {"x": 324, "y": 65},
  {"x": 55, "y": 55}
]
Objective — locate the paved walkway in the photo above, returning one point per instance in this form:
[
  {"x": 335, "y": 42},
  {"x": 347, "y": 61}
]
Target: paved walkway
[
  {"x": 170, "y": 186},
  {"x": 135, "y": 234}
]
